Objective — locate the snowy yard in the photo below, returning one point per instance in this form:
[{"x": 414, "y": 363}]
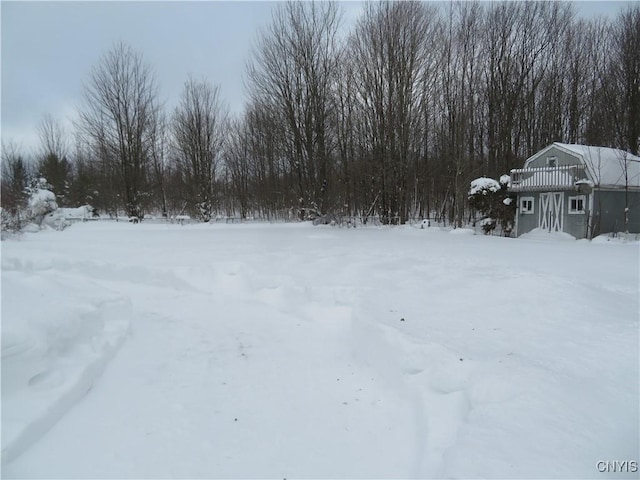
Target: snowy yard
[{"x": 256, "y": 350}]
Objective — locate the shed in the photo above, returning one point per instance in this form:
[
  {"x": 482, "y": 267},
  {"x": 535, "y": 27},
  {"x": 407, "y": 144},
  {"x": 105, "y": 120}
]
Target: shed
[{"x": 578, "y": 189}]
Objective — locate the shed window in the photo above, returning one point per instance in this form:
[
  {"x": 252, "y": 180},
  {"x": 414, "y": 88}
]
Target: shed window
[
  {"x": 552, "y": 162},
  {"x": 526, "y": 205},
  {"x": 576, "y": 204}
]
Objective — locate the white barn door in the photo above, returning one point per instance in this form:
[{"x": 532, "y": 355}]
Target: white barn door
[{"x": 550, "y": 211}]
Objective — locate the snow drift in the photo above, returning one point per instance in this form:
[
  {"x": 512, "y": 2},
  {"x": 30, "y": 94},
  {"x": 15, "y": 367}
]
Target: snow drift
[
  {"x": 58, "y": 332},
  {"x": 297, "y": 351}
]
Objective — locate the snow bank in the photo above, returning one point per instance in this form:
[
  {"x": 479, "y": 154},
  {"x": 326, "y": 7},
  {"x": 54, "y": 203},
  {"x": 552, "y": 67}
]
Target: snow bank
[
  {"x": 547, "y": 236},
  {"x": 57, "y": 335},
  {"x": 620, "y": 238},
  {"x": 79, "y": 213},
  {"x": 462, "y": 231}
]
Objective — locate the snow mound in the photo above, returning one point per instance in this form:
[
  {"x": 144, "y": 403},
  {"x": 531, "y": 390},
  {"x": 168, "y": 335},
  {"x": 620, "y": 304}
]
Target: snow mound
[
  {"x": 57, "y": 336},
  {"x": 545, "y": 235},
  {"x": 621, "y": 238},
  {"x": 79, "y": 213},
  {"x": 31, "y": 228},
  {"x": 462, "y": 231}
]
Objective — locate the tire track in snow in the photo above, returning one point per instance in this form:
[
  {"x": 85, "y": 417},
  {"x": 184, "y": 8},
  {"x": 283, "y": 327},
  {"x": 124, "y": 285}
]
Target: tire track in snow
[
  {"x": 433, "y": 381},
  {"x": 52, "y": 354}
]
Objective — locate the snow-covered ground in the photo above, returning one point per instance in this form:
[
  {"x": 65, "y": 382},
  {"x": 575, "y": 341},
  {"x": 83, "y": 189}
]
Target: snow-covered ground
[{"x": 256, "y": 350}]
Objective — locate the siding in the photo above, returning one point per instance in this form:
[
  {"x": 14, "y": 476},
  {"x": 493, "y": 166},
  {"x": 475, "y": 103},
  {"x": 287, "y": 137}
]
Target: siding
[
  {"x": 608, "y": 207},
  {"x": 526, "y": 221},
  {"x": 576, "y": 223},
  {"x": 573, "y": 224},
  {"x": 563, "y": 159}
]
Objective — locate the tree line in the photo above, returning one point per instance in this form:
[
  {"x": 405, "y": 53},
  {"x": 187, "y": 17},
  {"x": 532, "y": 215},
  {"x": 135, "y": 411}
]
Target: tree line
[{"x": 391, "y": 120}]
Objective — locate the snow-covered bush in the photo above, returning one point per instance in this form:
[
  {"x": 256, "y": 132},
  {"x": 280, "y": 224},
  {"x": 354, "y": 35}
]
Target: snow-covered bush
[
  {"x": 12, "y": 222},
  {"x": 488, "y": 225},
  {"x": 42, "y": 201},
  {"x": 41, "y": 209},
  {"x": 492, "y": 200},
  {"x": 505, "y": 180},
  {"x": 484, "y": 186},
  {"x": 56, "y": 220}
]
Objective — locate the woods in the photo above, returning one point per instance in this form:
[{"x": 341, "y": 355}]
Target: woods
[{"x": 390, "y": 120}]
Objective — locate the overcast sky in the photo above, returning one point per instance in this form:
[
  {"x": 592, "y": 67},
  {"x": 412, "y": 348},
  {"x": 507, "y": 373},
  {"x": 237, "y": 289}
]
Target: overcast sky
[{"x": 48, "y": 49}]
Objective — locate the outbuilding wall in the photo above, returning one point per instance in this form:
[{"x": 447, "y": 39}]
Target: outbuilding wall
[
  {"x": 608, "y": 209},
  {"x": 563, "y": 159},
  {"x": 527, "y": 221},
  {"x": 573, "y": 224}
]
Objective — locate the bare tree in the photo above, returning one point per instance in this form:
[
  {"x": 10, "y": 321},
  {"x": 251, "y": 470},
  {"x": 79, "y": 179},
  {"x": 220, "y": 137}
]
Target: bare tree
[
  {"x": 599, "y": 125},
  {"x": 198, "y": 125},
  {"x": 625, "y": 70},
  {"x": 117, "y": 118},
  {"x": 389, "y": 49},
  {"x": 458, "y": 107},
  {"x": 159, "y": 161},
  {"x": 53, "y": 163},
  {"x": 519, "y": 39},
  {"x": 293, "y": 71},
  {"x": 392, "y": 119},
  {"x": 52, "y": 136},
  {"x": 16, "y": 174},
  {"x": 274, "y": 185},
  {"x": 82, "y": 185},
  {"x": 238, "y": 164}
]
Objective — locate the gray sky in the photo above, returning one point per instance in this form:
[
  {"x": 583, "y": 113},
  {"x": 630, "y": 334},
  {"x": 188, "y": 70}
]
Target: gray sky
[{"x": 48, "y": 49}]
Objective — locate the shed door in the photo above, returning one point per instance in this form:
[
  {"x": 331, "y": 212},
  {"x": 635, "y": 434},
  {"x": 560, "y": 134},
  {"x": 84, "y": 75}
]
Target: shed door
[{"x": 551, "y": 211}]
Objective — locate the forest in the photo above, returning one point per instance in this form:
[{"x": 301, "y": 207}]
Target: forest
[{"x": 388, "y": 121}]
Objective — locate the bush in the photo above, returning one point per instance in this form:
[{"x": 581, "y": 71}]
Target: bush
[
  {"x": 12, "y": 223},
  {"x": 492, "y": 200},
  {"x": 488, "y": 225},
  {"x": 42, "y": 201}
]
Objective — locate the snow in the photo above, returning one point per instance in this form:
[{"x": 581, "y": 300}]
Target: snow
[
  {"x": 505, "y": 179},
  {"x": 619, "y": 238},
  {"x": 541, "y": 234},
  {"x": 42, "y": 201},
  {"x": 30, "y": 228},
  {"x": 606, "y": 165},
  {"x": 57, "y": 335},
  {"x": 181, "y": 219},
  {"x": 483, "y": 183},
  {"x": 289, "y": 350},
  {"x": 40, "y": 196},
  {"x": 78, "y": 213},
  {"x": 462, "y": 231},
  {"x": 588, "y": 183},
  {"x": 507, "y": 201}
]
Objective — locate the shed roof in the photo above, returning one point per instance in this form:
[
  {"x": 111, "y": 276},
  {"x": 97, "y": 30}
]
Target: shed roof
[{"x": 606, "y": 165}]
